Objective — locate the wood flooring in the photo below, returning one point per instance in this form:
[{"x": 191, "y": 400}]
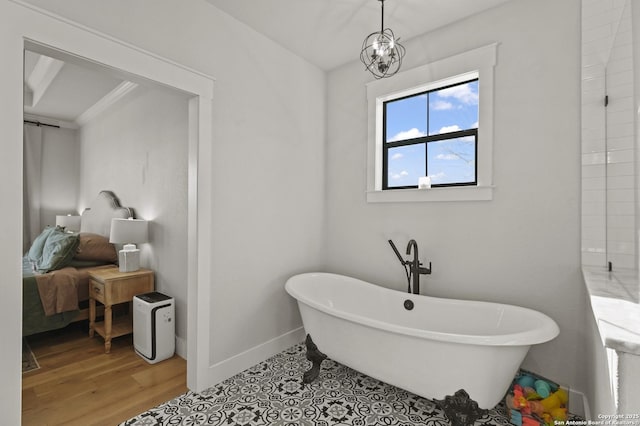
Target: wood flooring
[{"x": 78, "y": 384}]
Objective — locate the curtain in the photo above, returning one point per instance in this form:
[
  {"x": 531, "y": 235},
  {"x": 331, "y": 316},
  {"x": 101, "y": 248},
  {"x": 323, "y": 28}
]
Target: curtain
[{"x": 32, "y": 181}]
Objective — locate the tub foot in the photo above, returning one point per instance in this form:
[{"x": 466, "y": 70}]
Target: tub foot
[
  {"x": 316, "y": 357},
  {"x": 460, "y": 409}
]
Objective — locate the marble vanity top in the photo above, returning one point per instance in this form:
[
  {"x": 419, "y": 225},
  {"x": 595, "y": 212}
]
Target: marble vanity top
[{"x": 615, "y": 300}]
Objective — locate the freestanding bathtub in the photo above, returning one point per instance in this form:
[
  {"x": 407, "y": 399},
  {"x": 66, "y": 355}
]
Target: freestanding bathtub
[{"x": 434, "y": 349}]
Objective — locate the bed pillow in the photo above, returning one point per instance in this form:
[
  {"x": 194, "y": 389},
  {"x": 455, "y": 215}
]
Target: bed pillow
[
  {"x": 35, "y": 252},
  {"x": 58, "y": 251},
  {"x": 95, "y": 247}
]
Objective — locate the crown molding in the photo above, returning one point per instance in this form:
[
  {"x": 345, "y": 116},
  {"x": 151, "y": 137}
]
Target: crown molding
[
  {"x": 107, "y": 101},
  {"x": 43, "y": 74}
]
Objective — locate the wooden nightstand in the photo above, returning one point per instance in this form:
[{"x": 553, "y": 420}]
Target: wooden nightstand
[{"x": 110, "y": 287}]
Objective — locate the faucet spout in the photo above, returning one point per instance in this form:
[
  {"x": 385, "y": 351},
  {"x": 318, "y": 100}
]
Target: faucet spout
[
  {"x": 415, "y": 267},
  {"x": 414, "y": 245}
]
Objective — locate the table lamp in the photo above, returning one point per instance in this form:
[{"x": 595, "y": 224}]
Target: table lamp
[{"x": 129, "y": 232}]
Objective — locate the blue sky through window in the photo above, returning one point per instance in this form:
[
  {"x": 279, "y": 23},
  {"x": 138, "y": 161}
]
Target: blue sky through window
[{"x": 437, "y": 112}]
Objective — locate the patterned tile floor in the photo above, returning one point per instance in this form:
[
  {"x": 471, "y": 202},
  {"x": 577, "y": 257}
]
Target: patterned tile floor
[{"x": 272, "y": 393}]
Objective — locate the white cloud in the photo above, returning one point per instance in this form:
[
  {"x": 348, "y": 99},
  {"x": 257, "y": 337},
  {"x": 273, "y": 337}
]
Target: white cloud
[
  {"x": 397, "y": 156},
  {"x": 447, "y": 157},
  {"x": 440, "y": 105},
  {"x": 461, "y": 92},
  {"x": 437, "y": 177},
  {"x": 474, "y": 125},
  {"x": 447, "y": 129},
  {"x": 396, "y": 176},
  {"x": 407, "y": 134}
]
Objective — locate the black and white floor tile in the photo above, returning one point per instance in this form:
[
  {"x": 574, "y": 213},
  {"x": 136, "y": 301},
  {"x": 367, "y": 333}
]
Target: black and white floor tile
[{"x": 272, "y": 393}]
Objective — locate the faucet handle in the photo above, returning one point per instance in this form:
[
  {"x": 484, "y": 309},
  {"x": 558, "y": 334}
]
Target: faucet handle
[{"x": 425, "y": 270}]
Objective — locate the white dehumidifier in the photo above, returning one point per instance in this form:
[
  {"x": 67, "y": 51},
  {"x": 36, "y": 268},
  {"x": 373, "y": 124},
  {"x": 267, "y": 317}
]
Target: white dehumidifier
[{"x": 154, "y": 326}]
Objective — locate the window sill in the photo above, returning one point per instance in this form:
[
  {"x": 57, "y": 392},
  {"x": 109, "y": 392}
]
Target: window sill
[{"x": 458, "y": 193}]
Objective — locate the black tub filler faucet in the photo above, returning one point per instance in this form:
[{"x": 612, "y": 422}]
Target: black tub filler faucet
[{"x": 413, "y": 268}]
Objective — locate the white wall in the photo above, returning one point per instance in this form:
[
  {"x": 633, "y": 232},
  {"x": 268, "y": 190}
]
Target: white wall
[
  {"x": 268, "y": 187},
  {"x": 138, "y": 150},
  {"x": 523, "y": 247},
  {"x": 635, "y": 31},
  {"x": 11, "y": 193}
]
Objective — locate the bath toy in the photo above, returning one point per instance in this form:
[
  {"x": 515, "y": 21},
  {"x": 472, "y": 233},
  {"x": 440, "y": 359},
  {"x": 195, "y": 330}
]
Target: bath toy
[
  {"x": 526, "y": 381},
  {"x": 530, "y": 393},
  {"x": 517, "y": 401},
  {"x": 516, "y": 417},
  {"x": 559, "y": 414},
  {"x": 543, "y": 388},
  {"x": 556, "y": 400},
  {"x": 547, "y": 419},
  {"x": 527, "y": 407}
]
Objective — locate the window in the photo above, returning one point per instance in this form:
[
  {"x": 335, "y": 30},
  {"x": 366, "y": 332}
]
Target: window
[
  {"x": 437, "y": 121},
  {"x": 433, "y": 133}
]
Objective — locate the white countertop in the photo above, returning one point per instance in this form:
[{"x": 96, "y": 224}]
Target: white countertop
[{"x": 615, "y": 300}]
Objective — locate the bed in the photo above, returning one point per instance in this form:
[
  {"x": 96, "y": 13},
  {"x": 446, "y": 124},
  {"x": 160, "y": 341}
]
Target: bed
[{"x": 55, "y": 278}]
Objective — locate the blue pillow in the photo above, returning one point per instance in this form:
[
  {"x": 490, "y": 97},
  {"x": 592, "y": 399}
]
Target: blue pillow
[
  {"x": 35, "y": 252},
  {"x": 58, "y": 251}
]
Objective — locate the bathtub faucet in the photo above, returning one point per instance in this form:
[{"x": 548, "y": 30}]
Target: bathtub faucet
[{"x": 413, "y": 268}]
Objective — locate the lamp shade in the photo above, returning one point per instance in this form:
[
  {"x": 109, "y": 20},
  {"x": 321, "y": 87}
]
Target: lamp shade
[
  {"x": 69, "y": 222},
  {"x": 125, "y": 231}
]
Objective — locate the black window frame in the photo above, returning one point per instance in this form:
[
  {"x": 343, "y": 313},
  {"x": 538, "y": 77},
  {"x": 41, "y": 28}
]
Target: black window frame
[{"x": 386, "y": 146}]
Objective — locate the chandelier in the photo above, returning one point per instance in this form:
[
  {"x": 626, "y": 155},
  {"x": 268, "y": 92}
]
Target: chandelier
[{"x": 381, "y": 53}]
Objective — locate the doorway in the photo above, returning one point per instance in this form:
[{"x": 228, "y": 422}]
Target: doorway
[
  {"x": 197, "y": 123},
  {"x": 94, "y": 131}
]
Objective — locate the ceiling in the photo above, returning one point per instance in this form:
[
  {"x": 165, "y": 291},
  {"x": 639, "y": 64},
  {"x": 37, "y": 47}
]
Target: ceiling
[
  {"x": 67, "y": 94},
  {"x": 329, "y": 33}
]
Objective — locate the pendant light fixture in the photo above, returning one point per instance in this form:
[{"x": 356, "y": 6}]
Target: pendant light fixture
[{"x": 381, "y": 53}]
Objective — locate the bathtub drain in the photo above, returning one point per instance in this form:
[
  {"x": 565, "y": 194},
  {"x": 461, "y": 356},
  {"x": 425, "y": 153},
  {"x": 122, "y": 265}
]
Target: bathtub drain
[{"x": 408, "y": 305}]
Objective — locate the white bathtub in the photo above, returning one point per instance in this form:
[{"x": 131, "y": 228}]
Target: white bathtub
[{"x": 433, "y": 350}]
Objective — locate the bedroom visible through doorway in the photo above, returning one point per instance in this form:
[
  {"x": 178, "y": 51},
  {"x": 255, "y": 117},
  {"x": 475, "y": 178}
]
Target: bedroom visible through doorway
[
  {"x": 91, "y": 130},
  {"x": 189, "y": 105}
]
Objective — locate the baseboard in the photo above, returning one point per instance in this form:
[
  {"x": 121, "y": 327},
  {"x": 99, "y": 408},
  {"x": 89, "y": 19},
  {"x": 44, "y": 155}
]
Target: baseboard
[
  {"x": 240, "y": 362},
  {"x": 578, "y": 404}
]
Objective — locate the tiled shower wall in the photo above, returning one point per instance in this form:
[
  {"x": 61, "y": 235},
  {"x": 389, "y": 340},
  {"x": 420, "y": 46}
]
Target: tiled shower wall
[{"x": 608, "y": 136}]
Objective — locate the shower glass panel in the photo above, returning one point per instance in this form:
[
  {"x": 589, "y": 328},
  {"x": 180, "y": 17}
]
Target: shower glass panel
[{"x": 608, "y": 136}]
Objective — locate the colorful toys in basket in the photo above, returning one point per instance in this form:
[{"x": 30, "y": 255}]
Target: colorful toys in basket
[{"x": 534, "y": 401}]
